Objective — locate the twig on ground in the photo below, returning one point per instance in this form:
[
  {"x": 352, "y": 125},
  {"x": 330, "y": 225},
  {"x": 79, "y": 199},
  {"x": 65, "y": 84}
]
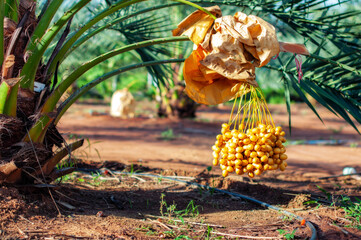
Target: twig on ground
[
  {"x": 268, "y": 226},
  {"x": 170, "y": 186},
  {"x": 102, "y": 178},
  {"x": 47, "y": 235},
  {"x": 21, "y": 216},
  {"x": 242, "y": 236},
  {"x": 67, "y": 205},
  {"x": 193, "y": 223},
  {"x": 21, "y": 232},
  {"x": 140, "y": 179},
  {"x": 339, "y": 228},
  {"x": 344, "y": 219},
  {"x": 35, "y": 231},
  {"x": 66, "y": 236},
  {"x": 160, "y": 224}
]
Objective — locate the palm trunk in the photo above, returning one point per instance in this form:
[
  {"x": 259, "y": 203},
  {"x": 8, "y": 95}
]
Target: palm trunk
[
  {"x": 173, "y": 101},
  {"x": 22, "y": 158}
]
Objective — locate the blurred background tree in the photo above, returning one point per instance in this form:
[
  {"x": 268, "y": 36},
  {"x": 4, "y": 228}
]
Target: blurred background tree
[{"x": 330, "y": 30}]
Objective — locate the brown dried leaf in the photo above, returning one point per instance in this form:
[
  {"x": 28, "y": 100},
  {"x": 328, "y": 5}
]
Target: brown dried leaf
[
  {"x": 9, "y": 61},
  {"x": 294, "y": 48},
  {"x": 227, "y": 52},
  {"x": 197, "y": 24}
]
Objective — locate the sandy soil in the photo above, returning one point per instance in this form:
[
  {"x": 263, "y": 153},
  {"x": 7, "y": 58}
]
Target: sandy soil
[{"x": 113, "y": 205}]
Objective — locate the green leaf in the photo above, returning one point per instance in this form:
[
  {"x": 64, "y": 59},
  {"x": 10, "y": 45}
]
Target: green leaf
[
  {"x": 38, "y": 47},
  {"x": 303, "y": 96},
  {"x": 288, "y": 101},
  {"x": 8, "y": 96},
  {"x": 11, "y": 9},
  {"x": 76, "y": 95},
  {"x": 51, "y": 102}
]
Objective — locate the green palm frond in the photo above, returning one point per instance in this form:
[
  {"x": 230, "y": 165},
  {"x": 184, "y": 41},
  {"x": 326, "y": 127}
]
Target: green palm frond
[
  {"x": 145, "y": 27},
  {"x": 332, "y": 34}
]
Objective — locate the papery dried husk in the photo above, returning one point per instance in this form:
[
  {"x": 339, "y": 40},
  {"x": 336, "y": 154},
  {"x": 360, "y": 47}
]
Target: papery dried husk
[
  {"x": 227, "y": 56},
  {"x": 197, "y": 24},
  {"x": 204, "y": 85},
  {"x": 265, "y": 44}
]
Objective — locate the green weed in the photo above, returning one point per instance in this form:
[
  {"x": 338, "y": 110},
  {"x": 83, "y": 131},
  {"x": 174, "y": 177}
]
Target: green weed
[
  {"x": 353, "y": 145},
  {"x": 181, "y": 237},
  {"x": 328, "y": 194},
  {"x": 159, "y": 179},
  {"x": 313, "y": 203},
  {"x": 171, "y": 211},
  {"x": 209, "y": 232},
  {"x": 149, "y": 230},
  {"x": 96, "y": 181},
  {"x": 169, "y": 234},
  {"x": 352, "y": 211},
  {"x": 287, "y": 235},
  {"x": 168, "y": 135}
]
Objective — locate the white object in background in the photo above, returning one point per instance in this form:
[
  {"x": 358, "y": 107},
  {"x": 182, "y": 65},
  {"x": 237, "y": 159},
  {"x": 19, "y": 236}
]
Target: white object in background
[
  {"x": 38, "y": 86},
  {"x": 348, "y": 170},
  {"x": 123, "y": 104}
]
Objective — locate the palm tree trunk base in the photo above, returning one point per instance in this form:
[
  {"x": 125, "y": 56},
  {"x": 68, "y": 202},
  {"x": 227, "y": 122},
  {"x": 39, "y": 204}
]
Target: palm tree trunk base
[{"x": 11, "y": 131}]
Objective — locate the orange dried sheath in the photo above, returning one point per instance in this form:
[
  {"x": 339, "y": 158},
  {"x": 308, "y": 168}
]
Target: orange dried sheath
[{"x": 227, "y": 50}]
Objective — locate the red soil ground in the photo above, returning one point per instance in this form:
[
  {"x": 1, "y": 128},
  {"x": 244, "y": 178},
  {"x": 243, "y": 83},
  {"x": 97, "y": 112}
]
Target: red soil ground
[{"x": 130, "y": 206}]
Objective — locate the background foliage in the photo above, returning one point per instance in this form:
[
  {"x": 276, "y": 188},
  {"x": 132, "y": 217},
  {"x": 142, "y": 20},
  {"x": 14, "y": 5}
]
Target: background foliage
[{"x": 330, "y": 29}]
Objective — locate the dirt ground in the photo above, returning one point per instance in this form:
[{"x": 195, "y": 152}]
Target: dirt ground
[{"x": 101, "y": 201}]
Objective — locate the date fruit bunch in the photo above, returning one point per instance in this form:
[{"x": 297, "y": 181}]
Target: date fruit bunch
[{"x": 250, "y": 142}]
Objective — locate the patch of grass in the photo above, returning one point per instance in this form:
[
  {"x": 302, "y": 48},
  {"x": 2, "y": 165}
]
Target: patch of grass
[
  {"x": 159, "y": 179},
  {"x": 96, "y": 181},
  {"x": 171, "y": 211},
  {"x": 209, "y": 232},
  {"x": 287, "y": 218},
  {"x": 353, "y": 145},
  {"x": 168, "y": 135},
  {"x": 86, "y": 150},
  {"x": 169, "y": 234},
  {"x": 313, "y": 203},
  {"x": 66, "y": 178},
  {"x": 181, "y": 237},
  {"x": 336, "y": 130},
  {"x": 352, "y": 211},
  {"x": 148, "y": 229},
  {"x": 287, "y": 235},
  {"x": 328, "y": 194}
]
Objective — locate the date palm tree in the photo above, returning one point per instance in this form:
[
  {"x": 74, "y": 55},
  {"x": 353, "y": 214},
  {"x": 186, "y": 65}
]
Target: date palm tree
[{"x": 30, "y": 90}]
